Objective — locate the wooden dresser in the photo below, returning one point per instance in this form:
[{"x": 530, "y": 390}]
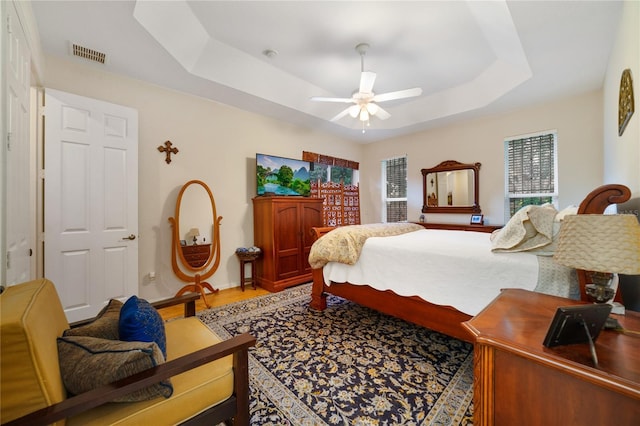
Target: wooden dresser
[
  {"x": 518, "y": 381},
  {"x": 282, "y": 229},
  {"x": 460, "y": 226},
  {"x": 196, "y": 255}
]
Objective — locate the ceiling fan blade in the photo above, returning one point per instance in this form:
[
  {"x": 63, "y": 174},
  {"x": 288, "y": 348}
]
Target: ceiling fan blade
[
  {"x": 367, "y": 78},
  {"x": 341, "y": 114},
  {"x": 323, "y": 99},
  {"x": 376, "y": 110},
  {"x": 400, "y": 94}
]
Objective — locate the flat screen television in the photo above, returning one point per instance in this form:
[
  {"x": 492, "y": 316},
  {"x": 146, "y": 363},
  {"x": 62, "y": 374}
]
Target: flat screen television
[{"x": 282, "y": 176}]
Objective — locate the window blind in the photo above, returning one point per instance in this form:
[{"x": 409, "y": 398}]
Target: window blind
[
  {"x": 532, "y": 165},
  {"x": 396, "y": 189}
]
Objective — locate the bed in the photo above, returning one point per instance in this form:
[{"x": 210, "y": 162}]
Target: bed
[{"x": 443, "y": 318}]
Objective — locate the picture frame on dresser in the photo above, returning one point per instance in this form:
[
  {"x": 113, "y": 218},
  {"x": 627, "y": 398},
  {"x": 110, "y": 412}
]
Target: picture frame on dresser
[
  {"x": 477, "y": 219},
  {"x": 576, "y": 324}
]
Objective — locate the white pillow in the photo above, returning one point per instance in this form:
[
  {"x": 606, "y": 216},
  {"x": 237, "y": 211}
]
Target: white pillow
[{"x": 564, "y": 212}]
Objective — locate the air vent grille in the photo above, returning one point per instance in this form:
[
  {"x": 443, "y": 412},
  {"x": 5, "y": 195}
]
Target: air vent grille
[{"x": 90, "y": 54}]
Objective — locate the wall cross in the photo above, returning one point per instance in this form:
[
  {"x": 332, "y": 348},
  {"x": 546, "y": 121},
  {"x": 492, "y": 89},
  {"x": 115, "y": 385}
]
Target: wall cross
[{"x": 168, "y": 150}]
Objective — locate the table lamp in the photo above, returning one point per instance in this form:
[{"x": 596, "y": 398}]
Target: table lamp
[
  {"x": 195, "y": 233},
  {"x": 600, "y": 243}
]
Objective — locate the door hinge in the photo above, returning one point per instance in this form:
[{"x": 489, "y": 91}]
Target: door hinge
[
  {"x": 8, "y": 260},
  {"x": 8, "y": 141},
  {"x": 8, "y": 24}
]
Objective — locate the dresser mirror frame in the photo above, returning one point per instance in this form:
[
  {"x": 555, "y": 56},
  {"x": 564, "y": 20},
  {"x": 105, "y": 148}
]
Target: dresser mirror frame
[
  {"x": 195, "y": 275},
  {"x": 450, "y": 166}
]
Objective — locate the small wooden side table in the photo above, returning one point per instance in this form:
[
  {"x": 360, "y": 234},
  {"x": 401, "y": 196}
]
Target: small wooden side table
[{"x": 248, "y": 257}]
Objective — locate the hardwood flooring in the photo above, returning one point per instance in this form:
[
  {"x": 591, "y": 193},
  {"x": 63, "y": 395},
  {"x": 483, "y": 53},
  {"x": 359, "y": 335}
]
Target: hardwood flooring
[{"x": 220, "y": 298}]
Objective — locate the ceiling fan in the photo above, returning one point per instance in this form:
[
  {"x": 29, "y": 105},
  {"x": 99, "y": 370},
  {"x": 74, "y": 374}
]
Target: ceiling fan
[{"x": 365, "y": 102}]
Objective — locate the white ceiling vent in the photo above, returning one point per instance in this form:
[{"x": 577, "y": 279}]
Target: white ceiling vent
[{"x": 86, "y": 53}]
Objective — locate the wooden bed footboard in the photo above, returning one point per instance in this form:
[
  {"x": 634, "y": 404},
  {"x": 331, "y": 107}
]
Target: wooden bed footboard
[{"x": 443, "y": 319}]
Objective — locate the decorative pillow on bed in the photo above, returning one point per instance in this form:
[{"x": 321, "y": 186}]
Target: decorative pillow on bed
[
  {"x": 141, "y": 322},
  {"x": 105, "y": 325},
  {"x": 530, "y": 228},
  {"x": 565, "y": 212},
  {"x": 89, "y": 362}
]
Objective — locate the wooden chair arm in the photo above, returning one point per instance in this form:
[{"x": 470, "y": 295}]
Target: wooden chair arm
[
  {"x": 189, "y": 301},
  {"x": 238, "y": 346}
]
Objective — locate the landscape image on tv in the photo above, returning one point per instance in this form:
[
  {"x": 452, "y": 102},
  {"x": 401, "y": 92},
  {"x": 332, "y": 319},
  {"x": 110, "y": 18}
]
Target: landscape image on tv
[{"x": 282, "y": 176}]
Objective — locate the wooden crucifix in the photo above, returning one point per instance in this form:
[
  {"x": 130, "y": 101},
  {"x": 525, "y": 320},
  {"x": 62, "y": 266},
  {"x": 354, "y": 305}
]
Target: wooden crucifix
[{"x": 168, "y": 150}]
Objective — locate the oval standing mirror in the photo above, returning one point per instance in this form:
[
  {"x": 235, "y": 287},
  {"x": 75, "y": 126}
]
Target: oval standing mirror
[
  {"x": 451, "y": 187},
  {"x": 195, "y": 238}
]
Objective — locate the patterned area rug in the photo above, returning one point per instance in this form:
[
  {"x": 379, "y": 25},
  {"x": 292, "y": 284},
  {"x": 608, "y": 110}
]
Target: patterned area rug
[{"x": 347, "y": 365}]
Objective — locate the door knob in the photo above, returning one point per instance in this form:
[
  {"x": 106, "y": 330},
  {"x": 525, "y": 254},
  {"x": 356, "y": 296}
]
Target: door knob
[{"x": 130, "y": 237}]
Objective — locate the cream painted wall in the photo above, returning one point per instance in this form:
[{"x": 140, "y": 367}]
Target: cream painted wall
[
  {"x": 217, "y": 145},
  {"x": 622, "y": 153},
  {"x": 578, "y": 121}
]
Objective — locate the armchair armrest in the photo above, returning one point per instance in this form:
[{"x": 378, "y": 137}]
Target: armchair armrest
[
  {"x": 189, "y": 301},
  {"x": 238, "y": 346}
]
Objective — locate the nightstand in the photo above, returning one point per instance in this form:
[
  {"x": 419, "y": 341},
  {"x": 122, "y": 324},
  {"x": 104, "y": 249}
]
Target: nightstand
[{"x": 519, "y": 381}]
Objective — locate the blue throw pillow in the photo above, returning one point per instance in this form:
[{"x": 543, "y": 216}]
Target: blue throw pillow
[{"x": 141, "y": 322}]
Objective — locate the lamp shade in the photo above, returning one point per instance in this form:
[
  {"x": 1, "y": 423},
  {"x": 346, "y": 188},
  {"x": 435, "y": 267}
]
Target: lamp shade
[
  {"x": 600, "y": 243},
  {"x": 193, "y": 232}
]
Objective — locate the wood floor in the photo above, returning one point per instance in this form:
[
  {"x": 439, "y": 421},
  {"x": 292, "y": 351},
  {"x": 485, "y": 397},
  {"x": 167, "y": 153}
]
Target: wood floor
[{"x": 222, "y": 297}]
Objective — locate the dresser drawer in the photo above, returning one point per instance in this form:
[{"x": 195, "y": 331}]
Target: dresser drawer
[{"x": 196, "y": 255}]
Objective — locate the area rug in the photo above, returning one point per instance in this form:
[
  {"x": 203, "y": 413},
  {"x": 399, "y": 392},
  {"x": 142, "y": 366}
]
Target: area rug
[{"x": 347, "y": 365}]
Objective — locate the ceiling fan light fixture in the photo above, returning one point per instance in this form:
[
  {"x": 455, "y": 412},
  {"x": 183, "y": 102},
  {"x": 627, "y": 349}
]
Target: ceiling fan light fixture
[{"x": 364, "y": 100}]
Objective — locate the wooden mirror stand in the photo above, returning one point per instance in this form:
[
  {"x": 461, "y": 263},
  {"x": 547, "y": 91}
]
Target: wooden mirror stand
[{"x": 195, "y": 271}]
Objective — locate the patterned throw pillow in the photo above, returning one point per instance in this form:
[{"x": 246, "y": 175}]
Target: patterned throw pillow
[
  {"x": 141, "y": 322},
  {"x": 89, "y": 362},
  {"x": 105, "y": 326}
]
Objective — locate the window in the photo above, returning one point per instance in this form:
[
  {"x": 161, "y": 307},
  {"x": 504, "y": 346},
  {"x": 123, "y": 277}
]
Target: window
[
  {"x": 531, "y": 166},
  {"x": 394, "y": 184}
]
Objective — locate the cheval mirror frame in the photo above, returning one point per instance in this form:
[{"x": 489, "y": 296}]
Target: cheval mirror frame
[
  {"x": 195, "y": 275},
  {"x": 449, "y": 166}
]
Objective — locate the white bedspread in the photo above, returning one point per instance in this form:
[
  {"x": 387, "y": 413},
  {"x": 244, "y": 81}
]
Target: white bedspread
[{"x": 451, "y": 268}]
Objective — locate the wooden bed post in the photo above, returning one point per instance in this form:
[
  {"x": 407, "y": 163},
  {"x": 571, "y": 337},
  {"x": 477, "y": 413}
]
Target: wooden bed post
[{"x": 318, "y": 296}]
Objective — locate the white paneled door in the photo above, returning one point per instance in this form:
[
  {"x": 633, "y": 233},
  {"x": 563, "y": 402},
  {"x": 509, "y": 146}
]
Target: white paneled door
[
  {"x": 91, "y": 201},
  {"x": 19, "y": 230}
]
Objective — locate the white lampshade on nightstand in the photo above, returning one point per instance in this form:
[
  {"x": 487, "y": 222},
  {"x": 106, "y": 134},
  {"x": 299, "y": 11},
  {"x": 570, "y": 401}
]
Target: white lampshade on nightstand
[{"x": 600, "y": 243}]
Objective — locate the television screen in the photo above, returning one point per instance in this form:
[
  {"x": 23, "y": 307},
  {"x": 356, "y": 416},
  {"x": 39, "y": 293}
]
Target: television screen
[{"x": 282, "y": 176}]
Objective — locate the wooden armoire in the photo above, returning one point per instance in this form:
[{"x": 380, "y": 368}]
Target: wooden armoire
[{"x": 282, "y": 230}]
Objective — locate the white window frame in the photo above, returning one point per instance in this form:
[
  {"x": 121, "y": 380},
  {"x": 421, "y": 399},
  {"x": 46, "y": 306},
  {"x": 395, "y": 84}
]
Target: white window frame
[
  {"x": 508, "y": 195},
  {"x": 384, "y": 198}
]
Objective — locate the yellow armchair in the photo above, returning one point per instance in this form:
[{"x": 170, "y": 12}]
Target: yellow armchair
[{"x": 209, "y": 376}]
